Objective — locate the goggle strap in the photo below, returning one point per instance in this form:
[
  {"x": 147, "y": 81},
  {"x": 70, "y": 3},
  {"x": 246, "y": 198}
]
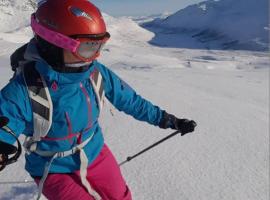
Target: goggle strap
[
  {"x": 103, "y": 36},
  {"x": 53, "y": 37}
]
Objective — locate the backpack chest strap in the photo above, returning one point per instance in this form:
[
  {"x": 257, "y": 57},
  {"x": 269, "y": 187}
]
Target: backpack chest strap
[{"x": 61, "y": 154}]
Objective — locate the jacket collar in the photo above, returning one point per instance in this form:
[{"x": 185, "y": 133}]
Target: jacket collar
[{"x": 47, "y": 71}]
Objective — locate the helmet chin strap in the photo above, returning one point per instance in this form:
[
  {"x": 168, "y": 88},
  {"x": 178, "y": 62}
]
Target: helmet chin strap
[
  {"x": 77, "y": 67},
  {"x": 78, "y": 64}
]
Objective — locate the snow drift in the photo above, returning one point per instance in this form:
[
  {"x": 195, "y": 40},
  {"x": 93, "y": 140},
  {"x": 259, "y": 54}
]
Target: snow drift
[{"x": 225, "y": 24}]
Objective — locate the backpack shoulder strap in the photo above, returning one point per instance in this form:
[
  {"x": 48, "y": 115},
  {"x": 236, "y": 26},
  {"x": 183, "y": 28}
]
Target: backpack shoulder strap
[
  {"x": 98, "y": 85},
  {"x": 40, "y": 99}
]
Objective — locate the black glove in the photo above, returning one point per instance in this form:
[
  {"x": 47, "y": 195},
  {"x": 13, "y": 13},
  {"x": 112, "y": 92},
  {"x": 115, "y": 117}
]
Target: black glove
[
  {"x": 5, "y": 150},
  {"x": 183, "y": 125},
  {"x": 8, "y": 149}
]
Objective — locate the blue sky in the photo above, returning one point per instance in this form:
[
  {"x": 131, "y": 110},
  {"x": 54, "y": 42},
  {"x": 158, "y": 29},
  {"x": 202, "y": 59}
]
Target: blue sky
[{"x": 141, "y": 7}]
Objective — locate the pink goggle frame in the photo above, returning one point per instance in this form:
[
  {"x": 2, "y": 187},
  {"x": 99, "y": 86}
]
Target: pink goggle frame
[{"x": 53, "y": 37}]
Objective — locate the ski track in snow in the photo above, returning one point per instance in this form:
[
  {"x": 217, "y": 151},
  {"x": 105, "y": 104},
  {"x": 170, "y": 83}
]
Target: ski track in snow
[{"x": 225, "y": 92}]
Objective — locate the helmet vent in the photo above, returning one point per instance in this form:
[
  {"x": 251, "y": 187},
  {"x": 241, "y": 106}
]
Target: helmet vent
[
  {"x": 80, "y": 13},
  {"x": 40, "y": 3}
]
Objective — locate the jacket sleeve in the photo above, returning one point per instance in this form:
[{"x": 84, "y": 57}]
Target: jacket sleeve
[
  {"x": 14, "y": 105},
  {"x": 124, "y": 98}
]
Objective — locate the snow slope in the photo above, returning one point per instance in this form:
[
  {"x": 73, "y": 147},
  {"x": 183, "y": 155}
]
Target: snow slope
[
  {"x": 15, "y": 14},
  {"x": 241, "y": 24},
  {"x": 225, "y": 92}
]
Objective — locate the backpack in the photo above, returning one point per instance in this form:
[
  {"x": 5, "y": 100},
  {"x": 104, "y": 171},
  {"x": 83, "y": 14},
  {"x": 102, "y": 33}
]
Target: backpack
[{"x": 40, "y": 97}]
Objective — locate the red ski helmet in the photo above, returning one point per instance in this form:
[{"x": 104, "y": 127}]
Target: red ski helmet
[
  {"x": 71, "y": 17},
  {"x": 75, "y": 25}
]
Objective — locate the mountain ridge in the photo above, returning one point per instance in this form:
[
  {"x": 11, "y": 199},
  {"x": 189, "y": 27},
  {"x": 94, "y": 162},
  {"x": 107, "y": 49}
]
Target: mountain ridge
[{"x": 221, "y": 24}]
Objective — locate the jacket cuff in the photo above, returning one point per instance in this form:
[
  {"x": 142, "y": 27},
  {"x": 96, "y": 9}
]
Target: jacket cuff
[{"x": 167, "y": 120}]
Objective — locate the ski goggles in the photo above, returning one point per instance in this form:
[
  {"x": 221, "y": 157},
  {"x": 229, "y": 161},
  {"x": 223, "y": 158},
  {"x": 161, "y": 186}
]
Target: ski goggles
[{"x": 84, "y": 47}]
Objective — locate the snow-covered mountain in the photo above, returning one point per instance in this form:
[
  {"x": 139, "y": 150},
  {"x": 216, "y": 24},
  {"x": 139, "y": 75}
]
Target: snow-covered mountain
[
  {"x": 241, "y": 24},
  {"x": 148, "y": 18}
]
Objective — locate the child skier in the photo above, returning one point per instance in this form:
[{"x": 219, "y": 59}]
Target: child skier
[{"x": 55, "y": 100}]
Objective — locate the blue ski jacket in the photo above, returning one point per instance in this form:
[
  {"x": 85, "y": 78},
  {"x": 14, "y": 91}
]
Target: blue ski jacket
[{"x": 72, "y": 112}]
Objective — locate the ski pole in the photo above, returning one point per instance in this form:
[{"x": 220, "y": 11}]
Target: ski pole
[
  {"x": 16, "y": 182},
  {"x": 148, "y": 148}
]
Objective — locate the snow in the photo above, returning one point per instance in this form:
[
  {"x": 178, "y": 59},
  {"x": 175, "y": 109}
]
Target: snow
[
  {"x": 15, "y": 14},
  {"x": 225, "y": 91}
]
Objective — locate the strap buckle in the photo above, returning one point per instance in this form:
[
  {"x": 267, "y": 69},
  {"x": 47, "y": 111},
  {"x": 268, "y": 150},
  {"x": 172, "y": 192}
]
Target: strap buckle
[{"x": 30, "y": 145}]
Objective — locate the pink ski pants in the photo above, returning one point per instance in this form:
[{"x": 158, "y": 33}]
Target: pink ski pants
[{"x": 103, "y": 175}]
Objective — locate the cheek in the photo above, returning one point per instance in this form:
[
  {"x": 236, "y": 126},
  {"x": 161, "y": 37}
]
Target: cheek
[{"x": 69, "y": 57}]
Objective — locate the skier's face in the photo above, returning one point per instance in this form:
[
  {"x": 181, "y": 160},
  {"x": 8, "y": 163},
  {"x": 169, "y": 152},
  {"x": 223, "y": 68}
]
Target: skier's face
[
  {"x": 87, "y": 50},
  {"x": 69, "y": 58}
]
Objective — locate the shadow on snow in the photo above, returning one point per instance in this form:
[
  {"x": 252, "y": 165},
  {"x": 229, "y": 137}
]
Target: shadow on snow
[{"x": 198, "y": 39}]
